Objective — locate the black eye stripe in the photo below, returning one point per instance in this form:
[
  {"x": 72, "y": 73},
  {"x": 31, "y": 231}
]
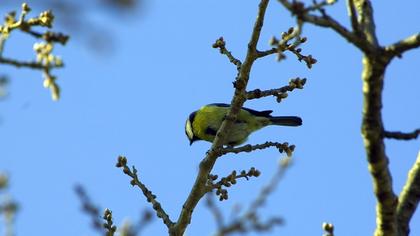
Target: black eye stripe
[{"x": 192, "y": 116}]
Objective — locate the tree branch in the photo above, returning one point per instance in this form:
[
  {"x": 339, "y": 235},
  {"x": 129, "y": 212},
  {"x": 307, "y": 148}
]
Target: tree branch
[
  {"x": 328, "y": 22},
  {"x": 282, "y": 147},
  {"x": 267, "y": 52},
  {"x": 366, "y": 22},
  {"x": 353, "y": 16},
  {"x": 199, "y": 188},
  {"x": 372, "y": 132},
  {"x": 89, "y": 208},
  {"x": 398, "y": 48},
  {"x": 228, "y": 181},
  {"x": 31, "y": 64},
  {"x": 249, "y": 221},
  {"x": 45, "y": 60},
  {"x": 402, "y": 136},
  {"x": 122, "y": 163},
  {"x": 375, "y": 62},
  {"x": 221, "y": 45},
  {"x": 409, "y": 198},
  {"x": 272, "y": 185},
  {"x": 280, "y": 93}
]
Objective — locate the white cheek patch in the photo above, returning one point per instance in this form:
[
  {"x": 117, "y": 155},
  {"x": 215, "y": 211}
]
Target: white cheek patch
[{"x": 188, "y": 129}]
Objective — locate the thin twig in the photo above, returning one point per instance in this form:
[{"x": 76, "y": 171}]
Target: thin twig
[
  {"x": 282, "y": 147},
  {"x": 249, "y": 221},
  {"x": 45, "y": 61},
  {"x": 221, "y": 45},
  {"x": 272, "y": 185},
  {"x": 409, "y": 198},
  {"x": 89, "y": 208},
  {"x": 228, "y": 181},
  {"x": 267, "y": 52},
  {"x": 326, "y": 21},
  {"x": 8, "y": 207},
  {"x": 280, "y": 93},
  {"x": 31, "y": 64},
  {"x": 316, "y": 6},
  {"x": 122, "y": 163},
  {"x": 283, "y": 44},
  {"x": 402, "y": 136}
]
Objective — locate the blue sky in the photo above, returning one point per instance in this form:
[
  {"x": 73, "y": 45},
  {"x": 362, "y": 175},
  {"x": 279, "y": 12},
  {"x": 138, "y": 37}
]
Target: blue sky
[{"x": 134, "y": 101}]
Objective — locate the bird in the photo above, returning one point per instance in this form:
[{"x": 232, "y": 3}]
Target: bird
[{"x": 204, "y": 123}]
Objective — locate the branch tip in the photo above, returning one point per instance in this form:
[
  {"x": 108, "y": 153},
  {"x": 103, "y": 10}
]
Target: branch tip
[{"x": 150, "y": 197}]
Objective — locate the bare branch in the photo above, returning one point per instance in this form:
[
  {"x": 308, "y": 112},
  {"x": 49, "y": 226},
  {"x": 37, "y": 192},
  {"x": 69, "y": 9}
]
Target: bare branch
[
  {"x": 319, "y": 6},
  {"x": 400, "y": 47},
  {"x": 250, "y": 221},
  {"x": 199, "y": 188},
  {"x": 402, "y": 136},
  {"x": 375, "y": 62},
  {"x": 353, "y": 16},
  {"x": 280, "y": 93},
  {"x": 272, "y": 185},
  {"x": 409, "y": 198},
  {"x": 89, "y": 208},
  {"x": 45, "y": 59},
  {"x": 372, "y": 132},
  {"x": 326, "y": 21},
  {"x": 267, "y": 52},
  {"x": 366, "y": 21},
  {"x": 228, "y": 181},
  {"x": 221, "y": 45},
  {"x": 122, "y": 163},
  {"x": 32, "y": 64},
  {"x": 282, "y": 147},
  {"x": 8, "y": 207},
  {"x": 283, "y": 44}
]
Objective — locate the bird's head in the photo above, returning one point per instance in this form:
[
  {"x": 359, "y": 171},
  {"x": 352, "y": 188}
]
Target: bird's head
[{"x": 189, "y": 129}]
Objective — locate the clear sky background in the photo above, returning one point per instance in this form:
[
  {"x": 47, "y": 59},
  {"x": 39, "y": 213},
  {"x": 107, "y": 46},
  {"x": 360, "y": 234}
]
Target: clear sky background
[{"x": 133, "y": 100}]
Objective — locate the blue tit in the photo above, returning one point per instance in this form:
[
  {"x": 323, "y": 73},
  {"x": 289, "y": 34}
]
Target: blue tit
[{"x": 204, "y": 123}]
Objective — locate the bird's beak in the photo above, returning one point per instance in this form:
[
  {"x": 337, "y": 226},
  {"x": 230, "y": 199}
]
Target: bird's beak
[{"x": 191, "y": 142}]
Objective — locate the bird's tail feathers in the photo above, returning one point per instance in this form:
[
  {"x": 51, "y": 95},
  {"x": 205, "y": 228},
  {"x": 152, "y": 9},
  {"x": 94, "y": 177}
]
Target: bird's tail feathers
[{"x": 286, "y": 120}]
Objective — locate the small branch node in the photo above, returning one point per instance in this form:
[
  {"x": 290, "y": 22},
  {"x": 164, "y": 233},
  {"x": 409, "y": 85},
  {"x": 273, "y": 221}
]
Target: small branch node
[{"x": 328, "y": 228}]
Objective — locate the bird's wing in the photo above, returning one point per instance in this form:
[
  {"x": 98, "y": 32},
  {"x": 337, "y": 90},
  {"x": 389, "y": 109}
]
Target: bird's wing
[{"x": 265, "y": 113}]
